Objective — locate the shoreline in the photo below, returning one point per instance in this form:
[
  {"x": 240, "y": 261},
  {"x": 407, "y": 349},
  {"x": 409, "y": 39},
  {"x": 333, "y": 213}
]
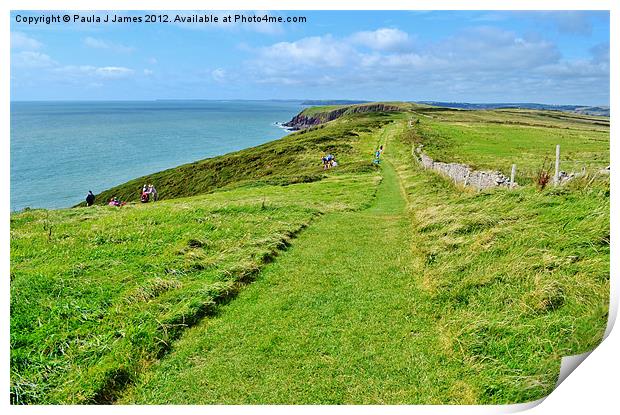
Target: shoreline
[{"x": 105, "y": 154}]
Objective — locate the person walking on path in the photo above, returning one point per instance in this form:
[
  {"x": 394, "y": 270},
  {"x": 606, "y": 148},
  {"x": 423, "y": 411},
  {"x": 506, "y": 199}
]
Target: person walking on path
[
  {"x": 90, "y": 198},
  {"x": 377, "y": 156}
]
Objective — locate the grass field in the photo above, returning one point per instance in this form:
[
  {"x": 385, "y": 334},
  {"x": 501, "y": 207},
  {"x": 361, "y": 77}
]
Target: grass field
[
  {"x": 368, "y": 286},
  {"x": 97, "y": 294},
  {"x": 515, "y": 279},
  {"x": 497, "y": 139}
]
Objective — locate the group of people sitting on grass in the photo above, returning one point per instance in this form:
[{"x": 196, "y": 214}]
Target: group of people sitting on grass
[
  {"x": 329, "y": 161},
  {"x": 90, "y": 200},
  {"x": 148, "y": 192},
  {"x": 115, "y": 202}
]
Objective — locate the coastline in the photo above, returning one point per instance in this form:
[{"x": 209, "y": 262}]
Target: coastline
[{"x": 99, "y": 145}]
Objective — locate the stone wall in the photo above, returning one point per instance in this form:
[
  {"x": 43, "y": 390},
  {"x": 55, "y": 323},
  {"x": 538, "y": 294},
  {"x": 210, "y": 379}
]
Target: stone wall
[{"x": 462, "y": 173}]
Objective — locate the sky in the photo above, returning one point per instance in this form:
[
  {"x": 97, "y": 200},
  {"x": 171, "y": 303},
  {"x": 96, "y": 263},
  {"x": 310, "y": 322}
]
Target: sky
[{"x": 557, "y": 57}]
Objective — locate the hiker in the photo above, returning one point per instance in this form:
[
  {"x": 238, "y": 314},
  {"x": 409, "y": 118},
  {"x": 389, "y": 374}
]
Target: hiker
[
  {"x": 90, "y": 198},
  {"x": 381, "y": 148},
  {"x": 377, "y": 157},
  {"x": 329, "y": 159},
  {"x": 115, "y": 202},
  {"x": 334, "y": 162},
  {"x": 153, "y": 192},
  {"x": 324, "y": 159}
]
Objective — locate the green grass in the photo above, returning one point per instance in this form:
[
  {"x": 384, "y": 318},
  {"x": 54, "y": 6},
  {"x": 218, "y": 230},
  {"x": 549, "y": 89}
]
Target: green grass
[
  {"x": 516, "y": 279},
  {"x": 408, "y": 291},
  {"x": 111, "y": 289},
  {"x": 497, "y": 139},
  {"x": 460, "y": 298},
  {"x": 331, "y": 322},
  {"x": 322, "y": 111},
  {"x": 99, "y": 293}
]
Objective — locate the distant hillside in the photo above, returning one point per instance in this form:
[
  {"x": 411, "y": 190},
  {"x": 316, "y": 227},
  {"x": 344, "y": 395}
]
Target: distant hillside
[
  {"x": 579, "y": 109},
  {"x": 321, "y": 114}
]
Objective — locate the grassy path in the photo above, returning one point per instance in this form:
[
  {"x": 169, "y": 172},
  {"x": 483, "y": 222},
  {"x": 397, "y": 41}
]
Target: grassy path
[{"x": 333, "y": 321}]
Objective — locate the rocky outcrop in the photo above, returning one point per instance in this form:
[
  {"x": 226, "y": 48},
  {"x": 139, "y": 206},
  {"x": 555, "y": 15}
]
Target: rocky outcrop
[
  {"x": 302, "y": 120},
  {"x": 463, "y": 174}
]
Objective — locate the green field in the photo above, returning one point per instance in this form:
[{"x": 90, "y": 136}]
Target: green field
[
  {"x": 497, "y": 139},
  {"x": 284, "y": 283}
]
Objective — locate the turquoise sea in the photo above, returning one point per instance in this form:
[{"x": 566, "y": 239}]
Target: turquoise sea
[{"x": 60, "y": 150}]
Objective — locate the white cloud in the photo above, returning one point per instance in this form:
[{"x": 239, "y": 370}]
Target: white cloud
[
  {"x": 218, "y": 75},
  {"x": 152, "y": 61},
  {"x": 113, "y": 72},
  {"x": 382, "y": 39},
  {"x": 322, "y": 51},
  {"x": 600, "y": 52},
  {"x": 95, "y": 43},
  {"x": 489, "y": 48},
  {"x": 31, "y": 59},
  {"x": 89, "y": 71},
  {"x": 581, "y": 68},
  {"x": 147, "y": 72},
  {"x": 473, "y": 62},
  {"x": 573, "y": 22},
  {"x": 484, "y": 49},
  {"x": 22, "y": 41},
  {"x": 37, "y": 60}
]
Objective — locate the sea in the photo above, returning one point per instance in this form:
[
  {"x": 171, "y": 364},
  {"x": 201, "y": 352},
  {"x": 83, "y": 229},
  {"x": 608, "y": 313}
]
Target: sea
[{"x": 61, "y": 150}]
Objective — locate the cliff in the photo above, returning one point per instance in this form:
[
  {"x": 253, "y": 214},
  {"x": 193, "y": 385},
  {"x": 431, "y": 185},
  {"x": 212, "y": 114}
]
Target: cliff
[{"x": 320, "y": 115}]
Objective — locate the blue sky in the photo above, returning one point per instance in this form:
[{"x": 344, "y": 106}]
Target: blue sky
[{"x": 557, "y": 57}]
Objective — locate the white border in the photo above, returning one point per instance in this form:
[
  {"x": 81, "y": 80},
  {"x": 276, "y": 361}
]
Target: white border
[{"x": 591, "y": 388}]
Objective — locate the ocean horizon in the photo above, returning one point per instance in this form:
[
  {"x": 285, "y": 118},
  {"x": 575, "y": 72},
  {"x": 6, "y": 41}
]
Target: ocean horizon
[{"x": 62, "y": 149}]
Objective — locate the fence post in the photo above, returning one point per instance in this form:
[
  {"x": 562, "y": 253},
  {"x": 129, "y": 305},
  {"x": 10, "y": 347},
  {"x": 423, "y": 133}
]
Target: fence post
[
  {"x": 512, "y": 175},
  {"x": 556, "y": 176}
]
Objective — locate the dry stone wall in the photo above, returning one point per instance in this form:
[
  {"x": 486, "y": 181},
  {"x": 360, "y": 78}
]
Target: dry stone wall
[{"x": 463, "y": 174}]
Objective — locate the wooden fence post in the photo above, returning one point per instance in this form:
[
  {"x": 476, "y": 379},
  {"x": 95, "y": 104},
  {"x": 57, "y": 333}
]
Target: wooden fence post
[
  {"x": 512, "y": 175},
  {"x": 556, "y": 176}
]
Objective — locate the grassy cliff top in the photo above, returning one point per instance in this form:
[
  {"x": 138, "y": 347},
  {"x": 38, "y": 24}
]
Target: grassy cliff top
[
  {"x": 322, "y": 111},
  {"x": 262, "y": 278}
]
